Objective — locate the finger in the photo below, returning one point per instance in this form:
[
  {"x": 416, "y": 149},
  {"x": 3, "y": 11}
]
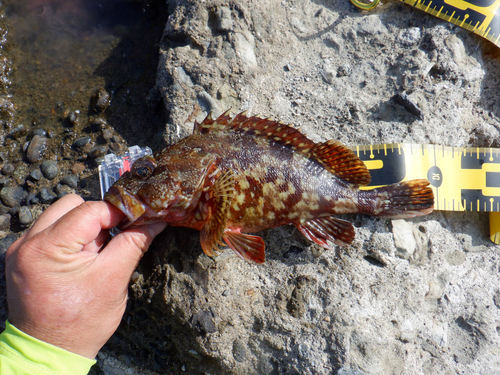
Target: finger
[
  {"x": 123, "y": 252},
  {"x": 83, "y": 225},
  {"x": 54, "y": 212}
]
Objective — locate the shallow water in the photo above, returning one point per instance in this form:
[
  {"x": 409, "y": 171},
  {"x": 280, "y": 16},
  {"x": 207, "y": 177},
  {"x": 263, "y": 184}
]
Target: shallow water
[{"x": 62, "y": 49}]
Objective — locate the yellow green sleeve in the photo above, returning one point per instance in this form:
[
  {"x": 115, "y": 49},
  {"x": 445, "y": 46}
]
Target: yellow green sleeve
[{"x": 22, "y": 354}]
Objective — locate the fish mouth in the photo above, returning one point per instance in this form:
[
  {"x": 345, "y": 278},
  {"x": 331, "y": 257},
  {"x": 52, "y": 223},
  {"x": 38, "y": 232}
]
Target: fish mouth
[{"x": 127, "y": 203}]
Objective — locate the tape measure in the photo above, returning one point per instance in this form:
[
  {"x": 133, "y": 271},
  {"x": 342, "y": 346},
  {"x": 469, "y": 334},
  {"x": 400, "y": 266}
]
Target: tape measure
[
  {"x": 463, "y": 179},
  {"x": 479, "y": 16}
]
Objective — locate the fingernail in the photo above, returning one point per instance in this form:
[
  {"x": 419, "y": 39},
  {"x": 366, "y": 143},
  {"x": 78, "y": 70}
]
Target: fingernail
[{"x": 156, "y": 228}]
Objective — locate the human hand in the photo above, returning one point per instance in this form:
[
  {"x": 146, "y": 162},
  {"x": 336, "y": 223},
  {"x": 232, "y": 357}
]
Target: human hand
[{"x": 62, "y": 288}]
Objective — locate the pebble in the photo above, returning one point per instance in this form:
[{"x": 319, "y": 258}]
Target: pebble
[
  {"x": 39, "y": 131},
  {"x": 32, "y": 199},
  {"x": 404, "y": 100},
  {"x": 98, "y": 151},
  {"x": 107, "y": 134},
  {"x": 6, "y": 242},
  {"x": 100, "y": 99},
  {"x": 46, "y": 196},
  {"x": 344, "y": 70},
  {"x": 71, "y": 181},
  {"x": 8, "y": 169},
  {"x": 224, "y": 20},
  {"x": 18, "y": 132},
  {"x": 77, "y": 168},
  {"x": 404, "y": 240},
  {"x": 72, "y": 118},
  {"x": 82, "y": 142},
  {"x": 240, "y": 351},
  {"x": 203, "y": 322},
  {"x": 12, "y": 196},
  {"x": 36, "y": 149},
  {"x": 49, "y": 169},
  {"x": 244, "y": 47},
  {"x": 36, "y": 174},
  {"x": 62, "y": 190},
  {"x": 115, "y": 147},
  {"x": 4, "y": 222},
  {"x": 25, "y": 216}
]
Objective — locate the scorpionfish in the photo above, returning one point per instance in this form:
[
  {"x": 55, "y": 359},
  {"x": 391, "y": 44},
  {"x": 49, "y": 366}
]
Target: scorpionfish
[{"x": 235, "y": 176}]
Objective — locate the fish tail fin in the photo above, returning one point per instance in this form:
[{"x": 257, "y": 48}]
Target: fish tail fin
[{"x": 400, "y": 201}]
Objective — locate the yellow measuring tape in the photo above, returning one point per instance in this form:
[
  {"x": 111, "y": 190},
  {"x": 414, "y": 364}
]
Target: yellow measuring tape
[
  {"x": 463, "y": 179},
  {"x": 479, "y": 16}
]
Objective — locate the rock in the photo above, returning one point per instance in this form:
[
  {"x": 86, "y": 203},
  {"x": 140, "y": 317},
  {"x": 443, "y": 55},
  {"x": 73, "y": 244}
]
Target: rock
[
  {"x": 40, "y": 132},
  {"x": 62, "y": 190},
  {"x": 72, "y": 118},
  {"x": 403, "y": 238},
  {"x": 8, "y": 169},
  {"x": 224, "y": 20},
  {"x": 408, "y": 104},
  {"x": 71, "y": 181},
  {"x": 46, "y": 196},
  {"x": 82, "y": 142},
  {"x": 410, "y": 37},
  {"x": 49, "y": 169},
  {"x": 25, "y": 216},
  {"x": 244, "y": 46},
  {"x": 5, "y": 244},
  {"x": 36, "y": 149},
  {"x": 98, "y": 151},
  {"x": 36, "y": 174},
  {"x": 4, "y": 222},
  {"x": 77, "y": 168},
  {"x": 12, "y": 196},
  {"x": 18, "y": 132},
  {"x": 100, "y": 99}
]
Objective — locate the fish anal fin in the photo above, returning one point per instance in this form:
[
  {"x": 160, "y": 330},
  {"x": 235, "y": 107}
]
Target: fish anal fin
[
  {"x": 328, "y": 228},
  {"x": 343, "y": 162},
  {"x": 223, "y": 195},
  {"x": 250, "y": 248}
]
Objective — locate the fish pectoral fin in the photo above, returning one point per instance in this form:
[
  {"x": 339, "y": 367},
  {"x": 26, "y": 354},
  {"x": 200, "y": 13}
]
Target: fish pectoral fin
[
  {"x": 223, "y": 195},
  {"x": 342, "y": 162},
  {"x": 328, "y": 228},
  {"x": 250, "y": 248}
]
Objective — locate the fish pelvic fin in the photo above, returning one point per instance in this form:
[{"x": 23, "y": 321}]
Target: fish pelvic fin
[
  {"x": 223, "y": 195},
  {"x": 342, "y": 162},
  {"x": 328, "y": 229},
  {"x": 403, "y": 200},
  {"x": 250, "y": 248}
]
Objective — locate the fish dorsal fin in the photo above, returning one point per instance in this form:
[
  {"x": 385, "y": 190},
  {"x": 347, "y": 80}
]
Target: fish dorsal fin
[
  {"x": 213, "y": 231},
  {"x": 342, "y": 162},
  {"x": 333, "y": 155},
  {"x": 210, "y": 125},
  {"x": 267, "y": 128}
]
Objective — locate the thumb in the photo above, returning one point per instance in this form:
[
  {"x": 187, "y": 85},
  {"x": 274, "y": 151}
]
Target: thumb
[{"x": 122, "y": 254}]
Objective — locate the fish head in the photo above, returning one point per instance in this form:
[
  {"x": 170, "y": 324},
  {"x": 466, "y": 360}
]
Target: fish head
[{"x": 163, "y": 187}]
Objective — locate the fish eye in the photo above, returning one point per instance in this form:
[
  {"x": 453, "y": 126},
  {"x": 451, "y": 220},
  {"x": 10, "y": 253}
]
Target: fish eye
[{"x": 143, "y": 168}]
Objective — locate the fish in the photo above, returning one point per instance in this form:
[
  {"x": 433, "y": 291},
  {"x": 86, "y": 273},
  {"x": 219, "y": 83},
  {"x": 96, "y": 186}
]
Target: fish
[{"x": 238, "y": 175}]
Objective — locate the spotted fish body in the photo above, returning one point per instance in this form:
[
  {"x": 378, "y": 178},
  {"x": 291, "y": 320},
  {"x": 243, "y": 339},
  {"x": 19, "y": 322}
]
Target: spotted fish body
[{"x": 240, "y": 175}]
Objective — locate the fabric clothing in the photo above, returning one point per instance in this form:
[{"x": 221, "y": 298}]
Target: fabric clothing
[{"x": 21, "y": 354}]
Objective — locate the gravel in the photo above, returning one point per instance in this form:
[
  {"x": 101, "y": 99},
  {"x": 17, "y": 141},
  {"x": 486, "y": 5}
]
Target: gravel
[{"x": 49, "y": 169}]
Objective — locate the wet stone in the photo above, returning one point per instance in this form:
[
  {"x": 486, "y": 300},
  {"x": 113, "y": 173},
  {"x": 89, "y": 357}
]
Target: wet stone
[
  {"x": 62, "y": 190},
  {"x": 71, "y": 181},
  {"x": 8, "y": 169},
  {"x": 39, "y": 131},
  {"x": 98, "y": 151},
  {"x": 25, "y": 216},
  {"x": 6, "y": 242},
  {"x": 18, "y": 132},
  {"x": 36, "y": 175},
  {"x": 77, "y": 168},
  {"x": 31, "y": 199},
  {"x": 49, "y": 169},
  {"x": 12, "y": 196},
  {"x": 4, "y": 222},
  {"x": 36, "y": 149},
  {"x": 46, "y": 196},
  {"x": 100, "y": 99},
  {"x": 115, "y": 147},
  {"x": 72, "y": 118},
  {"x": 82, "y": 142}
]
